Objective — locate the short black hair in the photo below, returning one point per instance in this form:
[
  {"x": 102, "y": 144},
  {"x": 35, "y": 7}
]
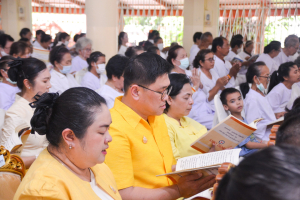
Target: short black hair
[
  {"x": 272, "y": 173},
  {"x": 23, "y": 40},
  {"x": 116, "y": 66},
  {"x": 3, "y": 63},
  {"x": 173, "y": 52},
  {"x": 152, "y": 49},
  {"x": 177, "y": 81},
  {"x": 74, "y": 109},
  {"x": 24, "y": 31},
  {"x": 76, "y": 37},
  {"x": 18, "y": 48},
  {"x": 147, "y": 45},
  {"x": 131, "y": 51},
  {"x": 46, "y": 38},
  {"x": 218, "y": 41},
  {"x": 156, "y": 39},
  {"x": 144, "y": 69},
  {"x": 4, "y": 38},
  {"x": 200, "y": 57},
  {"x": 289, "y": 131},
  {"x": 235, "y": 42},
  {"x": 274, "y": 45},
  {"x": 237, "y": 36},
  {"x": 205, "y": 36},
  {"x": 225, "y": 93},
  {"x": 94, "y": 57},
  {"x": 57, "y": 54},
  {"x": 39, "y": 32},
  {"x": 197, "y": 36}
]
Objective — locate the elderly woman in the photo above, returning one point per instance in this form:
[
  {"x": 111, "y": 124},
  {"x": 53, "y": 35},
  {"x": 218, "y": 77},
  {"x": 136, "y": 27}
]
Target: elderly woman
[
  {"x": 182, "y": 130},
  {"x": 32, "y": 77},
  {"x": 72, "y": 166},
  {"x": 79, "y": 63}
]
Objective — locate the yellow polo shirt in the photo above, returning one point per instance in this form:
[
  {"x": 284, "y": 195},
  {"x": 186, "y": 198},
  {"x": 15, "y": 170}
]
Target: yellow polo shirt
[
  {"x": 47, "y": 178},
  {"x": 182, "y": 136},
  {"x": 139, "y": 150}
]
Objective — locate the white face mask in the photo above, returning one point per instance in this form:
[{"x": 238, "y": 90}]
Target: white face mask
[
  {"x": 184, "y": 63},
  {"x": 3, "y": 53},
  {"x": 160, "y": 46},
  {"x": 100, "y": 68},
  {"x": 209, "y": 47},
  {"x": 12, "y": 82},
  {"x": 66, "y": 43}
]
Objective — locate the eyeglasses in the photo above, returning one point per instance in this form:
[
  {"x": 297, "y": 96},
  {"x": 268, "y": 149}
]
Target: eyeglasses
[
  {"x": 210, "y": 59},
  {"x": 88, "y": 50},
  {"x": 163, "y": 94},
  {"x": 267, "y": 77}
]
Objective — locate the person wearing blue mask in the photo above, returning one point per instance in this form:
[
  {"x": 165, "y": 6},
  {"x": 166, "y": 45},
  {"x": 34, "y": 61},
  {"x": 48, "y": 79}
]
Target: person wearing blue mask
[
  {"x": 256, "y": 104},
  {"x": 61, "y": 79}
]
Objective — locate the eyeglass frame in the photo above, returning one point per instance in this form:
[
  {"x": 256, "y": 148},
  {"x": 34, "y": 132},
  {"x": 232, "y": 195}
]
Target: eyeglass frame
[
  {"x": 267, "y": 77},
  {"x": 168, "y": 89},
  {"x": 210, "y": 60}
]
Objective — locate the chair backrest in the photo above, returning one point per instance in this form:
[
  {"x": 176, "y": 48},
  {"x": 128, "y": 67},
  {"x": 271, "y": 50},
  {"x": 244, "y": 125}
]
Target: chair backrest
[
  {"x": 2, "y": 115},
  {"x": 225, "y": 167},
  {"x": 11, "y": 174}
]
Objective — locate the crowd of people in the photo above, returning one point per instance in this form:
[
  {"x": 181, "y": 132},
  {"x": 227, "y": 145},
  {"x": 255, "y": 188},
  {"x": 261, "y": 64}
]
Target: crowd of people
[{"x": 103, "y": 128}]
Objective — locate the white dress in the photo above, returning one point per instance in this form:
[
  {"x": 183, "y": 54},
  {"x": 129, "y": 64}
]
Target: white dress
[
  {"x": 19, "y": 115},
  {"x": 122, "y": 50},
  {"x": 61, "y": 82},
  {"x": 295, "y": 94},
  {"x": 91, "y": 81},
  {"x": 281, "y": 58},
  {"x": 257, "y": 106},
  {"x": 279, "y": 97},
  {"x": 270, "y": 62},
  {"x": 7, "y": 95},
  {"x": 109, "y": 94},
  {"x": 294, "y": 57},
  {"x": 193, "y": 52},
  {"x": 222, "y": 68}
]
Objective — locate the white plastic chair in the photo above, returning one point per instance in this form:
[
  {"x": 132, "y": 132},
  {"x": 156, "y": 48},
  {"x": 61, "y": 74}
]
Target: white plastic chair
[{"x": 220, "y": 113}]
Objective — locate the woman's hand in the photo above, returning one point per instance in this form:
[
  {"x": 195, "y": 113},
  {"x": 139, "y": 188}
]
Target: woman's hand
[
  {"x": 221, "y": 82},
  {"x": 196, "y": 79}
]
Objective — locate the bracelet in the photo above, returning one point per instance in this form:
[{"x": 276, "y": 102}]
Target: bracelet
[
  {"x": 229, "y": 76},
  {"x": 193, "y": 89}
]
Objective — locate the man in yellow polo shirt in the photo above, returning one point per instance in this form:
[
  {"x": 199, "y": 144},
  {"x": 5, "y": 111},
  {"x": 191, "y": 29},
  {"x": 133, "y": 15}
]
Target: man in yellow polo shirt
[{"x": 141, "y": 148}]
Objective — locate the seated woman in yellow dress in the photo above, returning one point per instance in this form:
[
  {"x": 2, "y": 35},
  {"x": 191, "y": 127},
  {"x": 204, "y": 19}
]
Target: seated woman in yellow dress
[
  {"x": 182, "y": 130},
  {"x": 71, "y": 167}
]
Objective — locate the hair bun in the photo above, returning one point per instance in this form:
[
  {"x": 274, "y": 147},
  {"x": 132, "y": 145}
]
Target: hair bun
[
  {"x": 16, "y": 62},
  {"x": 43, "y": 108}
]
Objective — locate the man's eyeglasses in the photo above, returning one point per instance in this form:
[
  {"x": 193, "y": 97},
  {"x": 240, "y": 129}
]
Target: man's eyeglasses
[
  {"x": 166, "y": 92},
  {"x": 267, "y": 77}
]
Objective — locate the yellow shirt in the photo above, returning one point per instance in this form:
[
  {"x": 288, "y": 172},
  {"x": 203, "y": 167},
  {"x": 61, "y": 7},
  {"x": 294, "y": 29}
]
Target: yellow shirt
[
  {"x": 139, "y": 150},
  {"x": 183, "y": 136},
  {"x": 47, "y": 178}
]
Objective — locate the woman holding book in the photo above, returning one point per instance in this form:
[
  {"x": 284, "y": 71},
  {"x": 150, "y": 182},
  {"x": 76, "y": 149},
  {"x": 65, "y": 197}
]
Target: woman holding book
[
  {"x": 280, "y": 89},
  {"x": 256, "y": 104},
  {"x": 182, "y": 130},
  {"x": 32, "y": 77},
  {"x": 71, "y": 167}
]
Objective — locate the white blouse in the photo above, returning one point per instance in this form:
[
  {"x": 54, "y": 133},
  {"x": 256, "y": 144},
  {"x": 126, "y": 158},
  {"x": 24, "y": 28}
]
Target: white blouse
[
  {"x": 78, "y": 64},
  {"x": 279, "y": 97},
  {"x": 20, "y": 114},
  {"x": 122, "y": 50},
  {"x": 91, "y": 81},
  {"x": 61, "y": 82},
  {"x": 281, "y": 58},
  {"x": 257, "y": 106},
  {"x": 243, "y": 55},
  {"x": 99, "y": 192},
  {"x": 270, "y": 62},
  {"x": 109, "y": 94},
  {"x": 230, "y": 56},
  {"x": 222, "y": 68},
  {"x": 193, "y": 52},
  {"x": 7, "y": 95}
]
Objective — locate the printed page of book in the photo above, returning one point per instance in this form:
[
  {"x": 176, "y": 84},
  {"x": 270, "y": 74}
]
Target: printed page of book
[
  {"x": 13, "y": 142},
  {"x": 227, "y": 134},
  {"x": 208, "y": 159}
]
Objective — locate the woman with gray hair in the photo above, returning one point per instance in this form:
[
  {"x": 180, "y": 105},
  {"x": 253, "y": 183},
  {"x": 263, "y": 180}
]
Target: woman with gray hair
[
  {"x": 79, "y": 64},
  {"x": 291, "y": 45}
]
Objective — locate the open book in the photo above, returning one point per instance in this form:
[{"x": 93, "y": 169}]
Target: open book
[
  {"x": 253, "y": 58},
  {"x": 227, "y": 134},
  {"x": 207, "y": 163},
  {"x": 279, "y": 121}
]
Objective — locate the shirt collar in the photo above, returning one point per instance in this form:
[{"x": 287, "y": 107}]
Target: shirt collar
[
  {"x": 128, "y": 114},
  {"x": 183, "y": 121},
  {"x": 60, "y": 75}
]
